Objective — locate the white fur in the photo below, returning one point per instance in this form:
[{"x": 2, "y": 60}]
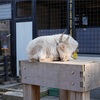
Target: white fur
[
  {"x": 47, "y": 48},
  {"x": 66, "y": 48}
]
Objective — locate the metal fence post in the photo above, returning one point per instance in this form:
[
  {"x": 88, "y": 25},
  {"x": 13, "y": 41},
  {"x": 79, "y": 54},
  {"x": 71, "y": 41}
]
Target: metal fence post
[{"x": 6, "y": 68}]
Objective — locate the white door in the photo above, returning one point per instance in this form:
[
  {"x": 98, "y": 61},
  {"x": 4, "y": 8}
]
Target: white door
[{"x": 23, "y": 36}]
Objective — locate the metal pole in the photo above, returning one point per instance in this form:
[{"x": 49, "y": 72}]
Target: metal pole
[
  {"x": 73, "y": 19},
  {"x": 6, "y": 68},
  {"x": 34, "y": 17},
  {"x": 68, "y": 16}
]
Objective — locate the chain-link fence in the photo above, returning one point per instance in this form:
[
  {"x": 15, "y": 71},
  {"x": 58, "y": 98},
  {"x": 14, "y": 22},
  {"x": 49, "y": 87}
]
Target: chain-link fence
[
  {"x": 51, "y": 16},
  {"x": 87, "y": 24}
]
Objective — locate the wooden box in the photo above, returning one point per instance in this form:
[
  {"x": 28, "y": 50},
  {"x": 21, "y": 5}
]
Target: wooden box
[{"x": 78, "y": 75}]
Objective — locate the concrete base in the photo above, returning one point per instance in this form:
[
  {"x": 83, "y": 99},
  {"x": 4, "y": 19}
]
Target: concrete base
[
  {"x": 95, "y": 93},
  {"x": 15, "y": 92},
  {"x": 11, "y": 95},
  {"x": 18, "y": 95}
]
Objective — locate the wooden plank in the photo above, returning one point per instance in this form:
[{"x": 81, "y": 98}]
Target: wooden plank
[
  {"x": 85, "y": 95},
  {"x": 74, "y": 76},
  {"x": 73, "y": 95},
  {"x": 92, "y": 76},
  {"x": 63, "y": 76},
  {"x": 63, "y": 94},
  {"x": 31, "y": 92},
  {"x": 74, "y": 79}
]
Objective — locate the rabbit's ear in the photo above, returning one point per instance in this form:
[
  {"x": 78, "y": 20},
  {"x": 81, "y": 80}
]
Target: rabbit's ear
[{"x": 67, "y": 39}]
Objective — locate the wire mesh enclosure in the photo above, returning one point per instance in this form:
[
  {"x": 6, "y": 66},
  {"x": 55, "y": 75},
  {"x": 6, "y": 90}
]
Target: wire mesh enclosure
[
  {"x": 51, "y": 16},
  {"x": 23, "y": 8},
  {"x": 87, "y": 24}
]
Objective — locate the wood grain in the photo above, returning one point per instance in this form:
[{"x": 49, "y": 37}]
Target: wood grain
[{"x": 31, "y": 92}]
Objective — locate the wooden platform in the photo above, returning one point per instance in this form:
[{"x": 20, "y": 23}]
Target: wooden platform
[{"x": 75, "y": 79}]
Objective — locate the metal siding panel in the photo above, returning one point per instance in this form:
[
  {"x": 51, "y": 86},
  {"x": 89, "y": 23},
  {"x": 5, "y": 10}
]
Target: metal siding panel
[
  {"x": 5, "y": 11},
  {"x": 88, "y": 39}
]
